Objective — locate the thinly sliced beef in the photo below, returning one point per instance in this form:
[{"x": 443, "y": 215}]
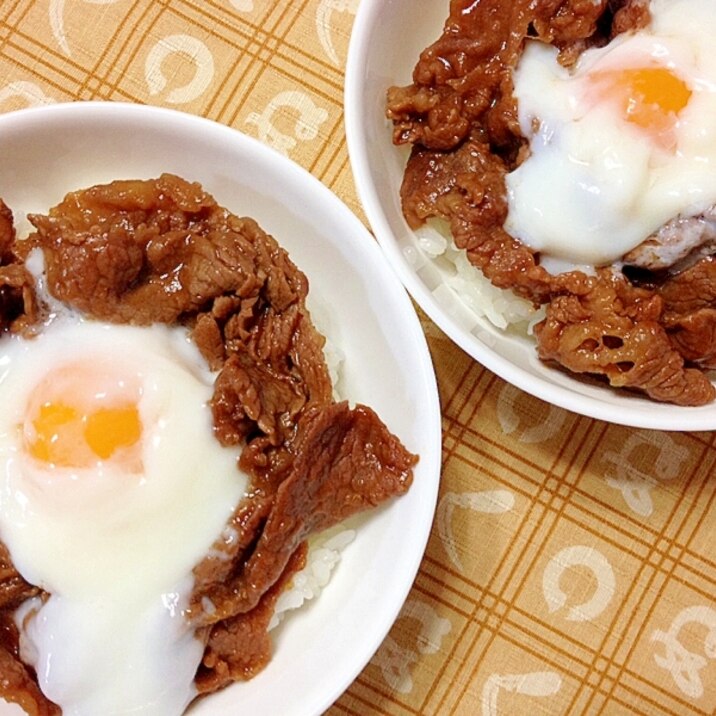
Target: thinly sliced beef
[
  {"x": 7, "y": 233},
  {"x": 239, "y": 647},
  {"x": 13, "y": 588},
  {"x": 561, "y": 22},
  {"x": 629, "y": 15},
  {"x": 690, "y": 311},
  {"x": 343, "y": 461},
  {"x": 151, "y": 251},
  {"x": 614, "y": 330},
  {"x": 463, "y": 80},
  {"x": 683, "y": 240},
  {"x": 18, "y": 304}
]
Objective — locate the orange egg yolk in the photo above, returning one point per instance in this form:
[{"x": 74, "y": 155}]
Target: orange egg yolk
[
  {"x": 649, "y": 97},
  {"x": 69, "y": 437}
]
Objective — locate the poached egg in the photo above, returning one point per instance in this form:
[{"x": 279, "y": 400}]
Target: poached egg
[
  {"x": 619, "y": 144},
  {"x": 112, "y": 488}
]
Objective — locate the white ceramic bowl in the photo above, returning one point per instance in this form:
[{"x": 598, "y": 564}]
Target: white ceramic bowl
[
  {"x": 388, "y": 36},
  {"x": 319, "y": 650}
]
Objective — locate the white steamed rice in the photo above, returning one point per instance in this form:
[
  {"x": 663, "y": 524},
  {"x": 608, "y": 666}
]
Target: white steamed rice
[
  {"x": 324, "y": 553},
  {"x": 462, "y": 290}
]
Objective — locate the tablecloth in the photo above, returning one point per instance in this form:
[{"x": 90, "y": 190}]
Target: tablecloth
[{"x": 571, "y": 567}]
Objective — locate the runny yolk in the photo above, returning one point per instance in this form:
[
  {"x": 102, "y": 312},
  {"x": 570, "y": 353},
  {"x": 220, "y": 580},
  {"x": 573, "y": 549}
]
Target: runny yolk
[
  {"x": 109, "y": 429},
  {"x": 649, "y": 97},
  {"x": 66, "y": 437}
]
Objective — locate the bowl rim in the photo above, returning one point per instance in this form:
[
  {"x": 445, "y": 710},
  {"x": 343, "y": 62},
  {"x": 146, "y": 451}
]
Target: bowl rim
[
  {"x": 370, "y": 253},
  {"x": 646, "y": 414}
]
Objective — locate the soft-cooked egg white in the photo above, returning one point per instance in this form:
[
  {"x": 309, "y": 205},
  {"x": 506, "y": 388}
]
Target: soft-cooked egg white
[
  {"x": 622, "y": 143},
  {"x": 112, "y": 488}
]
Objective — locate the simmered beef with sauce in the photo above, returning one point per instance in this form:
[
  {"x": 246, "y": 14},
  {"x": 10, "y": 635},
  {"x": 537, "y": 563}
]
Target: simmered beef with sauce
[{"x": 17, "y": 302}]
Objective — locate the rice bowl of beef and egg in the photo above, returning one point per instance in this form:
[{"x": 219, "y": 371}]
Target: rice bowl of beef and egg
[
  {"x": 441, "y": 278},
  {"x": 81, "y": 131}
]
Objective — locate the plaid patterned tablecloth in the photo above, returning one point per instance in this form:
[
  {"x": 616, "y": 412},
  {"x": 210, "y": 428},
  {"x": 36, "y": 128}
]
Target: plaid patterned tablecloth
[{"x": 571, "y": 567}]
